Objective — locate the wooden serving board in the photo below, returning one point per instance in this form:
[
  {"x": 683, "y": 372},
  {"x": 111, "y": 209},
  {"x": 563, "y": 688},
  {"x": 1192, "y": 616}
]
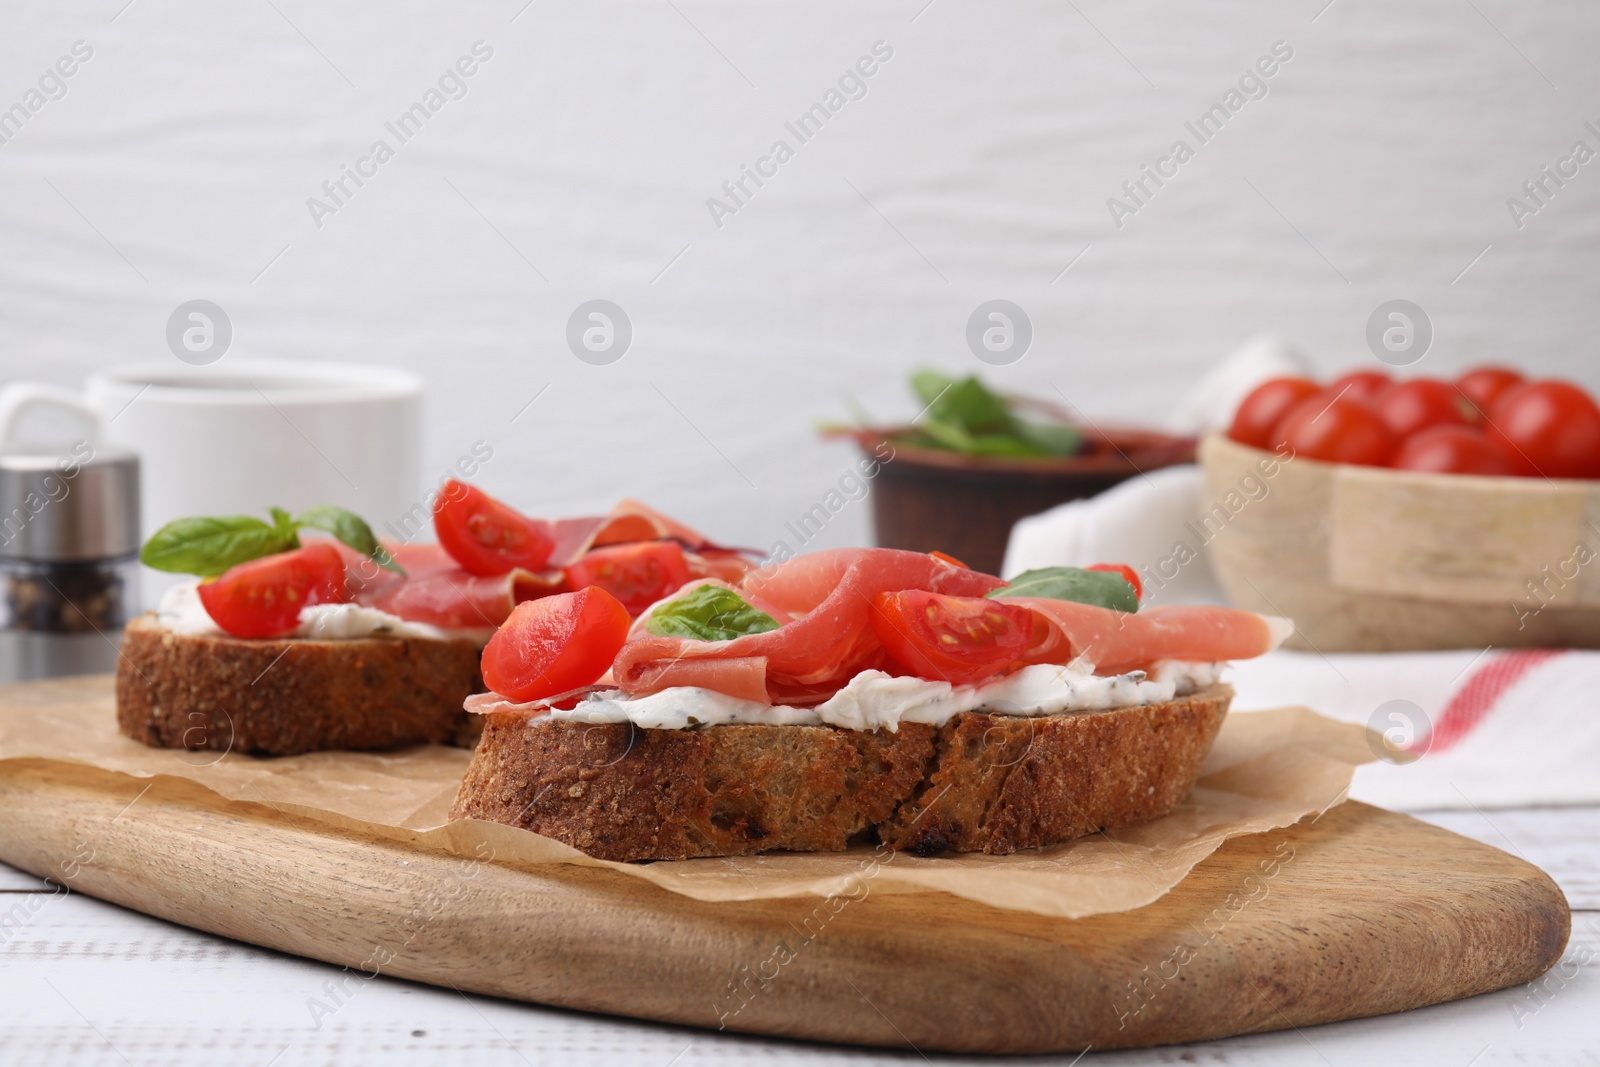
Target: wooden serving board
[{"x": 1361, "y": 912}]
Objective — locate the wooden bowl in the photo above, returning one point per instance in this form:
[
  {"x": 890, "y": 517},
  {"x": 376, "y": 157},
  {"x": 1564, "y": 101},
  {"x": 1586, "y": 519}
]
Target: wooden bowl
[
  {"x": 925, "y": 499},
  {"x": 1366, "y": 559}
]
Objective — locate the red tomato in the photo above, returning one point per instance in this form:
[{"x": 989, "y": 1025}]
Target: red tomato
[
  {"x": 1483, "y": 385},
  {"x": 1416, "y": 404},
  {"x": 1455, "y": 450},
  {"x": 638, "y": 574},
  {"x": 1267, "y": 403},
  {"x": 936, "y": 554},
  {"x": 485, "y": 536},
  {"x": 555, "y": 644},
  {"x": 1128, "y": 574},
  {"x": 263, "y": 598},
  {"x": 1361, "y": 384},
  {"x": 1552, "y": 428},
  {"x": 955, "y": 639},
  {"x": 1336, "y": 429}
]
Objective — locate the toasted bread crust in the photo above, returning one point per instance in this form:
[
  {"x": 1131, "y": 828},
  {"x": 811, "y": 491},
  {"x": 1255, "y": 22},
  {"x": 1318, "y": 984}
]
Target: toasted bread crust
[
  {"x": 980, "y": 783},
  {"x": 284, "y": 697},
  {"x": 1005, "y": 783}
]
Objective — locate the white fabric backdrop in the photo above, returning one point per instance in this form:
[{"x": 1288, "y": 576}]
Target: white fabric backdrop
[{"x": 179, "y": 162}]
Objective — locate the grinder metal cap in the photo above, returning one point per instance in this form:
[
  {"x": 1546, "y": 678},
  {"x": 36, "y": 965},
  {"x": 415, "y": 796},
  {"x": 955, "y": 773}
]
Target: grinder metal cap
[{"x": 63, "y": 503}]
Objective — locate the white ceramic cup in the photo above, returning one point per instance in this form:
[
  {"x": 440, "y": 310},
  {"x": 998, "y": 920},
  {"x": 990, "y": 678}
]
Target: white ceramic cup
[{"x": 236, "y": 438}]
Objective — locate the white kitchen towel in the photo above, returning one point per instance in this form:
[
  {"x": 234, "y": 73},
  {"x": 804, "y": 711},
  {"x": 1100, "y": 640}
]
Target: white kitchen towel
[
  {"x": 1494, "y": 728},
  {"x": 1150, "y": 521},
  {"x": 1209, "y": 404},
  {"x": 1142, "y": 523}
]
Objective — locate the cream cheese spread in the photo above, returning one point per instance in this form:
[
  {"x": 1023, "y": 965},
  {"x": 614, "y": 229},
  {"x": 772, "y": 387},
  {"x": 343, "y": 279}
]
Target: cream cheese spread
[
  {"x": 874, "y": 700},
  {"x": 182, "y": 612}
]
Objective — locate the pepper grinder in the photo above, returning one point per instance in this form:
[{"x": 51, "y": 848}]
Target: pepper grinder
[{"x": 69, "y": 564}]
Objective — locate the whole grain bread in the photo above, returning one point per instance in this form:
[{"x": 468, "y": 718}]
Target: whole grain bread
[
  {"x": 979, "y": 783},
  {"x": 288, "y": 696}
]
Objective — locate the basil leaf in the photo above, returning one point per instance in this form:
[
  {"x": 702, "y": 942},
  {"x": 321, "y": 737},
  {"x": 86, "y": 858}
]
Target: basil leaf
[
  {"x": 282, "y": 522},
  {"x": 946, "y": 434},
  {"x": 962, "y": 415},
  {"x": 209, "y": 547},
  {"x": 1003, "y": 444},
  {"x": 966, "y": 403},
  {"x": 349, "y": 528},
  {"x": 929, "y": 384},
  {"x": 1051, "y": 438},
  {"x": 709, "y": 613},
  {"x": 1100, "y": 588}
]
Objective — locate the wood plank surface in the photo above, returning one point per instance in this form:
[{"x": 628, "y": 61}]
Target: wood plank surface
[
  {"x": 1361, "y": 913},
  {"x": 90, "y": 984}
]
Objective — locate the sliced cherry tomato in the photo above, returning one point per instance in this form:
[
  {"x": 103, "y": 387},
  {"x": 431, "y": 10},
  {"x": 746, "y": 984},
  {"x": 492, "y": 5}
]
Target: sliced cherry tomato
[
  {"x": 637, "y": 574},
  {"x": 1483, "y": 385},
  {"x": 1416, "y": 404},
  {"x": 1455, "y": 450},
  {"x": 555, "y": 644},
  {"x": 955, "y": 639},
  {"x": 1551, "y": 427},
  {"x": 1128, "y": 574},
  {"x": 1361, "y": 384},
  {"x": 486, "y": 536},
  {"x": 1336, "y": 429},
  {"x": 936, "y": 554},
  {"x": 1266, "y": 404},
  {"x": 263, "y": 598}
]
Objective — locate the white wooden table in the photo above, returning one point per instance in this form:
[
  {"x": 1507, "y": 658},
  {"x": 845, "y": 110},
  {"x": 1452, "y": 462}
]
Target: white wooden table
[{"x": 86, "y": 982}]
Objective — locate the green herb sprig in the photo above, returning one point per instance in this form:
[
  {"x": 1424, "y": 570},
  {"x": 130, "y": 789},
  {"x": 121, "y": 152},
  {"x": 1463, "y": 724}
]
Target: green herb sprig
[
  {"x": 1101, "y": 588},
  {"x": 709, "y": 613},
  {"x": 209, "y": 547},
  {"x": 963, "y": 415}
]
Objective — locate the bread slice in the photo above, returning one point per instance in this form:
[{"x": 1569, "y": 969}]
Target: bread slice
[
  {"x": 979, "y": 783},
  {"x": 287, "y": 696}
]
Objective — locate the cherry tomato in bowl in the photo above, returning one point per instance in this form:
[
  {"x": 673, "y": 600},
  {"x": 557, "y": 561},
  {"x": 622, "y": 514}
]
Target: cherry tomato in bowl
[
  {"x": 486, "y": 536},
  {"x": 1455, "y": 450},
  {"x": 1336, "y": 429},
  {"x": 1551, "y": 427},
  {"x": 637, "y": 574},
  {"x": 263, "y": 598},
  {"x": 1483, "y": 385},
  {"x": 1267, "y": 403},
  {"x": 955, "y": 639},
  {"x": 1419, "y": 403},
  {"x": 1361, "y": 385},
  {"x": 555, "y": 644}
]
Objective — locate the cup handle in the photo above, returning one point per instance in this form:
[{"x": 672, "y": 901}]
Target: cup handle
[{"x": 18, "y": 399}]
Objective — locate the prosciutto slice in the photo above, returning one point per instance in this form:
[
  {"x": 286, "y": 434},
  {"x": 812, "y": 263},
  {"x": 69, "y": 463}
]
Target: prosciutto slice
[
  {"x": 1116, "y": 642},
  {"x": 436, "y": 590},
  {"x": 826, "y": 640},
  {"x": 457, "y": 600},
  {"x": 628, "y": 521},
  {"x": 744, "y": 677}
]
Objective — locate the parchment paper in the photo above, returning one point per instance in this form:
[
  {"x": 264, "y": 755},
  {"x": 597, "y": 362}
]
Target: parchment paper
[{"x": 1268, "y": 769}]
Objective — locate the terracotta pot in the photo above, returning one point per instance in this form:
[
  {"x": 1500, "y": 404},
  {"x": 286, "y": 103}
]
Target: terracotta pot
[{"x": 926, "y": 499}]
